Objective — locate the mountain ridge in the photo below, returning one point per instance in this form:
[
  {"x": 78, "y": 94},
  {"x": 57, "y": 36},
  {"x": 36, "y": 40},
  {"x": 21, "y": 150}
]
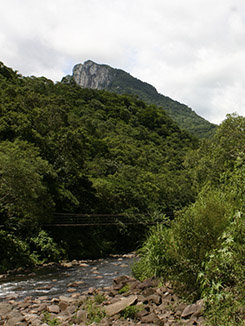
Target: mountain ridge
[{"x": 102, "y": 76}]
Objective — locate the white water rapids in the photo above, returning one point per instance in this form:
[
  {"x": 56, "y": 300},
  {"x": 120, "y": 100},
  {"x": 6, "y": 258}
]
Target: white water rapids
[{"x": 58, "y": 280}]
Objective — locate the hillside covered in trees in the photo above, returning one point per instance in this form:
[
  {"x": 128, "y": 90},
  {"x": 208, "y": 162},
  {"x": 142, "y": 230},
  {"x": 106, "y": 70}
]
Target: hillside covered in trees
[
  {"x": 65, "y": 149},
  {"x": 97, "y": 76}
]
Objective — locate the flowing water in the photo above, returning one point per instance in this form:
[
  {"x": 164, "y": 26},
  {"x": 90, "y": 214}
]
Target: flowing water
[{"x": 53, "y": 281}]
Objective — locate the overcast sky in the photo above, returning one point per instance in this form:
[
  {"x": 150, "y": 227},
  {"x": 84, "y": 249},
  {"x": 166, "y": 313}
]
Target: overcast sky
[{"x": 192, "y": 51}]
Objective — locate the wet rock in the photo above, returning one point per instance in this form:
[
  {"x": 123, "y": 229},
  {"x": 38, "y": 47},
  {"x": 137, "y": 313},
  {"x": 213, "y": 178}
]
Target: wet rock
[
  {"x": 67, "y": 264},
  {"x": 75, "y": 284},
  {"x": 83, "y": 265},
  {"x": 95, "y": 272},
  {"x": 45, "y": 287}
]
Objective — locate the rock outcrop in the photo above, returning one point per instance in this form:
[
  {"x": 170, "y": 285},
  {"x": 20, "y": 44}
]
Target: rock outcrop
[
  {"x": 92, "y": 75},
  {"x": 101, "y": 76}
]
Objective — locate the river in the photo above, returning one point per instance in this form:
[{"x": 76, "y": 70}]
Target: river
[{"x": 56, "y": 280}]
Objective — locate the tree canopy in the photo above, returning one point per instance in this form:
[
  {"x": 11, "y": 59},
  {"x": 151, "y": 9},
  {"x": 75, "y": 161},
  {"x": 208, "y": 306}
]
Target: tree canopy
[{"x": 65, "y": 149}]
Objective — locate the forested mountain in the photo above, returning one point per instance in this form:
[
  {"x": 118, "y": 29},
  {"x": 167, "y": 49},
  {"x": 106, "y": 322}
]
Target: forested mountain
[
  {"x": 68, "y": 149},
  {"x": 93, "y": 75}
]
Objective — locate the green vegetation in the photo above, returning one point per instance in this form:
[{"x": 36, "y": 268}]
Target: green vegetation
[
  {"x": 124, "y": 289},
  {"x": 131, "y": 311},
  {"x": 50, "y": 321},
  {"x": 185, "y": 117},
  {"x": 99, "y": 298},
  {"x": 64, "y": 149},
  {"x": 202, "y": 250},
  {"x": 94, "y": 312}
]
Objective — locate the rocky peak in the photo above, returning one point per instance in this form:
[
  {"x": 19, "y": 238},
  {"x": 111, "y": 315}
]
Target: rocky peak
[{"x": 92, "y": 75}]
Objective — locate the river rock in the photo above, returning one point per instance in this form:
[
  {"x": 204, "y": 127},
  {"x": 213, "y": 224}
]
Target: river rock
[
  {"x": 83, "y": 265},
  {"x": 63, "y": 305},
  {"x": 81, "y": 316},
  {"x": 158, "y": 306},
  {"x": 15, "y": 317},
  {"x": 193, "y": 309},
  {"x": 116, "y": 307},
  {"x": 5, "y": 308},
  {"x": 54, "y": 309},
  {"x": 75, "y": 284},
  {"x": 66, "y": 299},
  {"x": 150, "y": 318},
  {"x": 155, "y": 298},
  {"x": 67, "y": 264}
]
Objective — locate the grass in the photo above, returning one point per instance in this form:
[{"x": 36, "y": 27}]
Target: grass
[
  {"x": 94, "y": 312},
  {"x": 131, "y": 311}
]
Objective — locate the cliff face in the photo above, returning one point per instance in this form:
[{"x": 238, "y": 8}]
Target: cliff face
[
  {"x": 97, "y": 76},
  {"x": 92, "y": 75}
]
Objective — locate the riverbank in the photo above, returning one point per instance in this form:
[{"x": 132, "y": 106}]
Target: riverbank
[{"x": 126, "y": 302}]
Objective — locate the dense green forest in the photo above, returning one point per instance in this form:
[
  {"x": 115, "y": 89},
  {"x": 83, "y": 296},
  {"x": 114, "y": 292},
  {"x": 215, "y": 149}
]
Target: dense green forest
[
  {"x": 65, "y": 149},
  {"x": 183, "y": 115}
]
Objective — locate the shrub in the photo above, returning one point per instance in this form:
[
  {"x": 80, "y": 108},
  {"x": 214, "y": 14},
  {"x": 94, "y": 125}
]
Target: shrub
[
  {"x": 157, "y": 254},
  {"x": 14, "y": 253},
  {"x": 177, "y": 251},
  {"x": 44, "y": 248},
  {"x": 197, "y": 231},
  {"x": 94, "y": 312}
]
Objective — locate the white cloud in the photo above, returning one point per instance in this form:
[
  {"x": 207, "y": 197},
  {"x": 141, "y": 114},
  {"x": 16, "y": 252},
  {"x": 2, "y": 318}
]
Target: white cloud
[{"x": 192, "y": 51}]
